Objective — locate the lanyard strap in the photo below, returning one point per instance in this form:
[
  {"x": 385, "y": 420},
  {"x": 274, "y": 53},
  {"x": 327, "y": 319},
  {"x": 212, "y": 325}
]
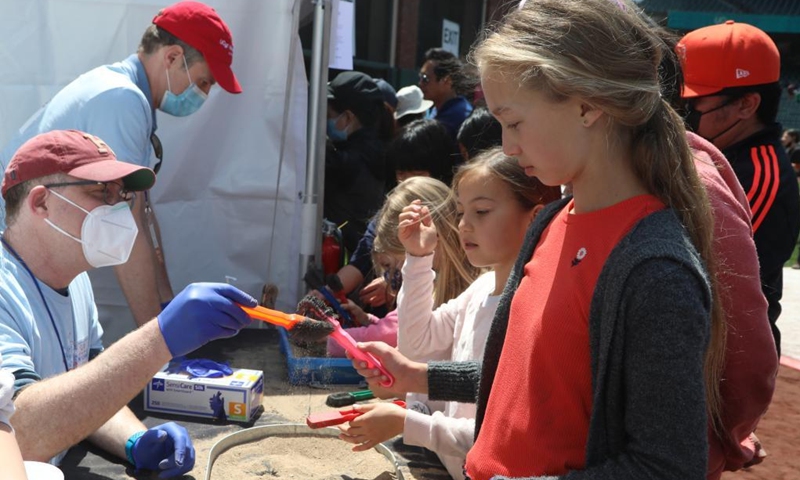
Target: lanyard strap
[{"x": 41, "y": 294}]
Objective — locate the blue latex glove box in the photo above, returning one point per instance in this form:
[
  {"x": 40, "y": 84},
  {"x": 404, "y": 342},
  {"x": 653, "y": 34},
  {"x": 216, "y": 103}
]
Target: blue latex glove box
[{"x": 236, "y": 397}]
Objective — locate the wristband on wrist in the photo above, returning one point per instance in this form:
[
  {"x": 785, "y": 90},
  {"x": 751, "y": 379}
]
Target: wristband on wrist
[{"x": 129, "y": 446}]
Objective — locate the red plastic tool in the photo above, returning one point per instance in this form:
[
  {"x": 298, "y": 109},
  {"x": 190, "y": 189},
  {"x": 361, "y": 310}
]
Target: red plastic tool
[{"x": 337, "y": 417}]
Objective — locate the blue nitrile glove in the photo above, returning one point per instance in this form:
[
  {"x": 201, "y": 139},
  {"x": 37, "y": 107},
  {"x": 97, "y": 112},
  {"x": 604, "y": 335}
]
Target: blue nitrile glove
[
  {"x": 199, "y": 367},
  {"x": 166, "y": 448},
  {"x": 217, "y": 404},
  {"x": 203, "y": 312},
  {"x": 164, "y": 305}
]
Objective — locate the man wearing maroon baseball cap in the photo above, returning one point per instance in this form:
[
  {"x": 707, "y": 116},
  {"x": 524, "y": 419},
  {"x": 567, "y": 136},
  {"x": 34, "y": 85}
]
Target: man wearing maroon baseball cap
[
  {"x": 68, "y": 204},
  {"x": 731, "y": 74},
  {"x": 182, "y": 54}
]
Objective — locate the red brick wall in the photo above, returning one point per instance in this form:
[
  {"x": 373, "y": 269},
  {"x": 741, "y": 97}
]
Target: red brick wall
[{"x": 407, "y": 23}]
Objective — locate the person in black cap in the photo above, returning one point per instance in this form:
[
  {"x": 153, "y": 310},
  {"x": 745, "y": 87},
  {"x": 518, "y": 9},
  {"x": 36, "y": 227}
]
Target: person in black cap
[
  {"x": 355, "y": 171},
  {"x": 388, "y": 92},
  {"x": 387, "y": 125}
]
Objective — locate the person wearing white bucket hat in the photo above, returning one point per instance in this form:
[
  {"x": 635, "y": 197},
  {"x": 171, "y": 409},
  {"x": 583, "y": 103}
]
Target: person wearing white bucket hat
[{"x": 411, "y": 105}]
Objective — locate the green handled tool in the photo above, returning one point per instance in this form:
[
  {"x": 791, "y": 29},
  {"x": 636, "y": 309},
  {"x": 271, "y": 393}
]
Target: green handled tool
[{"x": 343, "y": 399}]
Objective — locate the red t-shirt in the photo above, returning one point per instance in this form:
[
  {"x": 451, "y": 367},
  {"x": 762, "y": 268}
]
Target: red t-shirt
[{"x": 537, "y": 418}]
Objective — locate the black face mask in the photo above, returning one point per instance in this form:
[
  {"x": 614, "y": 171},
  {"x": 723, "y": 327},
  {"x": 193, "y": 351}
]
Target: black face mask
[{"x": 692, "y": 117}]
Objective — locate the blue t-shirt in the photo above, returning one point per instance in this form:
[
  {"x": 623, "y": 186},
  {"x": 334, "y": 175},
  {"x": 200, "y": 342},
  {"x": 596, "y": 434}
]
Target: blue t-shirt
[
  {"x": 30, "y": 339},
  {"x": 112, "y": 102},
  {"x": 362, "y": 256},
  {"x": 453, "y": 113}
]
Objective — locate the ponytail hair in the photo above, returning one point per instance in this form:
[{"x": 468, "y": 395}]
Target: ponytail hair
[
  {"x": 674, "y": 180},
  {"x": 606, "y": 54}
]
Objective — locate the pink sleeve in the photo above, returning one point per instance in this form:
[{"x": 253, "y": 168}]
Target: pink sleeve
[
  {"x": 751, "y": 362},
  {"x": 385, "y": 330}
]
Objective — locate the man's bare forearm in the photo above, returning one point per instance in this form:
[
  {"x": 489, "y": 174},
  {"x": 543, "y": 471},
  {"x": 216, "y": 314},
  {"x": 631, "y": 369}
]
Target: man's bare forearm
[
  {"x": 162, "y": 277},
  {"x": 112, "y": 436},
  {"x": 77, "y": 403}
]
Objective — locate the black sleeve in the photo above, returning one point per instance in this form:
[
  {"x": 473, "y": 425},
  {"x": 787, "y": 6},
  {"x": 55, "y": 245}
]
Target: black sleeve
[
  {"x": 454, "y": 381},
  {"x": 24, "y": 377}
]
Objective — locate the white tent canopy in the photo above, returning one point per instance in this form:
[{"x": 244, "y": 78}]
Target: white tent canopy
[{"x": 229, "y": 193}]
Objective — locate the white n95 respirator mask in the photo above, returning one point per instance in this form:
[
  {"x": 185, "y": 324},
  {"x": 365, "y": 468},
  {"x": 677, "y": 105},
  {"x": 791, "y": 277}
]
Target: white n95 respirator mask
[{"x": 107, "y": 234}]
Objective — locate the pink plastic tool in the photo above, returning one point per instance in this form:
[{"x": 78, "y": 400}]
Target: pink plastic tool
[{"x": 344, "y": 339}]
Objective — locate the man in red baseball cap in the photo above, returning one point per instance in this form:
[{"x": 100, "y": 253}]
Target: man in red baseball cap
[
  {"x": 731, "y": 87},
  {"x": 182, "y": 54},
  {"x": 68, "y": 205}
]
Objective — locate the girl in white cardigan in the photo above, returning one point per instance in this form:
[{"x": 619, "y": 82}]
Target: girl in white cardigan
[{"x": 496, "y": 203}]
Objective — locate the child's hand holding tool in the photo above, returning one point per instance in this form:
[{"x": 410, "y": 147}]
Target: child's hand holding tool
[
  {"x": 408, "y": 376},
  {"x": 374, "y": 294},
  {"x": 376, "y": 423},
  {"x": 416, "y": 230},
  {"x": 356, "y": 313}
]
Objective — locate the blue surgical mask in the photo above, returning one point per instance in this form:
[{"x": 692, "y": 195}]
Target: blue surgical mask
[
  {"x": 334, "y": 133},
  {"x": 188, "y": 102}
]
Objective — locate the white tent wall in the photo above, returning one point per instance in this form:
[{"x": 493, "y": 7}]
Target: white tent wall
[{"x": 228, "y": 196}]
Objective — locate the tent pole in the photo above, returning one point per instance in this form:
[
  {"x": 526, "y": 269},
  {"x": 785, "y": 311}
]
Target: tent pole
[
  {"x": 393, "y": 39},
  {"x": 311, "y": 235}
]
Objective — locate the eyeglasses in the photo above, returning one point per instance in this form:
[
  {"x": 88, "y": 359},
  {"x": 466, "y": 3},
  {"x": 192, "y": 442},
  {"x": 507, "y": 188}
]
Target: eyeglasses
[
  {"x": 424, "y": 78},
  {"x": 113, "y": 192},
  {"x": 158, "y": 150}
]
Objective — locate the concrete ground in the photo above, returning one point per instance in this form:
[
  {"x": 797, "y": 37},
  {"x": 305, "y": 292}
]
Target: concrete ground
[{"x": 789, "y": 321}]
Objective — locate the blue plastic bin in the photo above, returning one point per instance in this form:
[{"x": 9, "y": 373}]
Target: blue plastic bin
[{"x": 325, "y": 371}]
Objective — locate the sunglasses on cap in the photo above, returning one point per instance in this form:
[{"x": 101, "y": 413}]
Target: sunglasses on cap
[{"x": 158, "y": 150}]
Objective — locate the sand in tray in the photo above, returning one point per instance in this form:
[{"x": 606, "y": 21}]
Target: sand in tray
[{"x": 301, "y": 457}]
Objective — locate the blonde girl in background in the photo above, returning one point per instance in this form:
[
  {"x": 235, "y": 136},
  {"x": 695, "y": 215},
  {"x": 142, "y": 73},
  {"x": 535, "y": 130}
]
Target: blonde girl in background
[
  {"x": 496, "y": 204},
  {"x": 604, "y": 357},
  {"x": 454, "y": 273}
]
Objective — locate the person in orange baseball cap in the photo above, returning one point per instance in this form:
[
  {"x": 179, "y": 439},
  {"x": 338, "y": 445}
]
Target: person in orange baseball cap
[
  {"x": 186, "y": 50},
  {"x": 732, "y": 92}
]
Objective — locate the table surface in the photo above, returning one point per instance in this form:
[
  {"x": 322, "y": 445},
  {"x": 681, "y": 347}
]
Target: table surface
[{"x": 252, "y": 348}]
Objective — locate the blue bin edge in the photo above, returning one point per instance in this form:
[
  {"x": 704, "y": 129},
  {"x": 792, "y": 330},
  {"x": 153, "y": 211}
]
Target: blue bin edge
[{"x": 304, "y": 370}]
